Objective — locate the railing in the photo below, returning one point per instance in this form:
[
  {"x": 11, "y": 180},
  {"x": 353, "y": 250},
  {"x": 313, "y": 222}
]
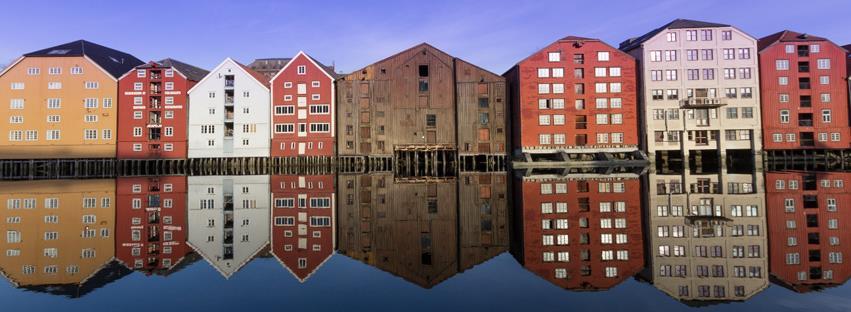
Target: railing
[
  {"x": 805, "y": 123},
  {"x": 705, "y": 188},
  {"x": 702, "y": 102}
]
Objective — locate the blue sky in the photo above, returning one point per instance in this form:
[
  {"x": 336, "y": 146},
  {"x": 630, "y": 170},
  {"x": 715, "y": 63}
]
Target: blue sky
[{"x": 351, "y": 34}]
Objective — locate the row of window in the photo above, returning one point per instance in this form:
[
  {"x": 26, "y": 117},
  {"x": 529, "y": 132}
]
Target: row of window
[
  {"x": 834, "y": 257},
  {"x": 602, "y": 56},
  {"x": 600, "y": 103},
  {"x": 579, "y": 88},
  {"x": 793, "y": 137},
  {"x": 13, "y": 236},
  {"x": 142, "y": 73},
  {"x": 674, "y": 113},
  {"x": 54, "y": 70},
  {"x": 315, "y": 109},
  {"x": 55, "y": 85},
  {"x": 601, "y": 119},
  {"x": 314, "y": 221},
  {"x": 784, "y": 64},
  {"x": 793, "y": 184},
  {"x": 302, "y": 128},
  {"x": 784, "y": 80},
  {"x": 315, "y": 202},
  {"x": 832, "y": 224},
  {"x": 702, "y": 54},
  {"x": 793, "y": 241},
  {"x": 602, "y": 187},
  {"x": 558, "y": 72},
  {"x": 560, "y": 139},
  {"x": 705, "y": 35},
  {"x": 695, "y": 74},
  {"x": 56, "y": 103}
]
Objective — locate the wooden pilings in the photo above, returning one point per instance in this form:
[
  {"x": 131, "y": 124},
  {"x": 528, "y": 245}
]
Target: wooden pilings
[{"x": 403, "y": 163}]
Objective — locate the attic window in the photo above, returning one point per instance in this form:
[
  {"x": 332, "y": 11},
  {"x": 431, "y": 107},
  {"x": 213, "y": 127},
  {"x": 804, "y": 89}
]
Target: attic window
[
  {"x": 423, "y": 69},
  {"x": 59, "y": 52},
  {"x": 383, "y": 71}
]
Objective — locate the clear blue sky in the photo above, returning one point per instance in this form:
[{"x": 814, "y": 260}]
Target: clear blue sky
[{"x": 351, "y": 34}]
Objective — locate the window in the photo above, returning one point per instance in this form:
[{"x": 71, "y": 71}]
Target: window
[
  {"x": 17, "y": 85},
  {"x": 825, "y": 116},
  {"x": 825, "y": 97},
  {"x": 76, "y": 70},
  {"x": 33, "y": 71},
  {"x": 91, "y": 103},
  {"x": 655, "y": 56},
  {"x": 781, "y": 64},
  {"x": 691, "y": 35},
  {"x": 671, "y": 36},
  {"x": 729, "y": 54},
  {"x": 823, "y": 63},
  {"x": 783, "y": 81},
  {"x": 744, "y": 53},
  {"x": 670, "y": 55},
  {"x": 90, "y": 134},
  {"x": 92, "y": 85},
  {"x": 603, "y": 56},
  {"x": 554, "y": 56},
  {"x": 784, "y": 116},
  {"x": 301, "y": 70},
  {"x": 54, "y": 85}
]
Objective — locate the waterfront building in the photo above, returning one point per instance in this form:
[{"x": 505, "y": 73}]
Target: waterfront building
[
  {"x": 804, "y": 92},
  {"x": 303, "y": 106},
  {"x": 61, "y": 102},
  {"x": 575, "y": 96},
  {"x": 229, "y": 115},
  {"x": 152, "y": 112},
  {"x": 699, "y": 91},
  {"x": 421, "y": 100}
]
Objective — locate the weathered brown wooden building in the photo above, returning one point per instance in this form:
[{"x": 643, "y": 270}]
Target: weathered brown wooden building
[{"x": 421, "y": 100}]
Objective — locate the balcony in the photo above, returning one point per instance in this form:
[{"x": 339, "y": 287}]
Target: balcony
[
  {"x": 805, "y": 120},
  {"x": 702, "y": 102},
  {"x": 228, "y": 202},
  {"x": 156, "y": 88},
  {"x": 229, "y": 82},
  {"x": 803, "y": 67},
  {"x": 156, "y": 75},
  {"x": 705, "y": 188},
  {"x": 803, "y": 51}
]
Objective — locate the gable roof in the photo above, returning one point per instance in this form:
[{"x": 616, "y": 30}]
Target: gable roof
[
  {"x": 786, "y": 36},
  {"x": 258, "y": 76},
  {"x": 191, "y": 72},
  {"x": 679, "y": 23},
  {"x": 114, "y": 62},
  {"x": 329, "y": 70},
  {"x": 570, "y": 38}
]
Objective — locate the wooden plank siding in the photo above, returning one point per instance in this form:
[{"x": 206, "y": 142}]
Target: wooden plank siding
[{"x": 386, "y": 107}]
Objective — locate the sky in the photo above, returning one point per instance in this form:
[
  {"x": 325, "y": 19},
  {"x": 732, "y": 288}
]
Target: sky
[{"x": 352, "y": 34}]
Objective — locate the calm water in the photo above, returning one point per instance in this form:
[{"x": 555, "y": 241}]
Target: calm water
[{"x": 593, "y": 240}]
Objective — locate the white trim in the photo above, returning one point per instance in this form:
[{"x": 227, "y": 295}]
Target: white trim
[
  {"x": 218, "y": 67},
  {"x": 315, "y": 64},
  {"x": 20, "y": 58}
]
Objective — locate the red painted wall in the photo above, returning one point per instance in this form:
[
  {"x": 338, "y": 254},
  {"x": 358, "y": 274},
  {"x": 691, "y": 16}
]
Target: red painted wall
[
  {"x": 315, "y": 144},
  {"x": 532, "y": 231},
  {"x": 523, "y": 80},
  {"x": 313, "y": 186},
  {"x": 126, "y": 122},
  {"x": 124, "y": 214},
  {"x": 771, "y": 90},
  {"x": 779, "y": 233}
]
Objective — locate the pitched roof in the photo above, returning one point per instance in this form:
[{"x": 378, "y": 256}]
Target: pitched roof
[
  {"x": 192, "y": 73},
  {"x": 115, "y": 62},
  {"x": 787, "y": 36},
  {"x": 679, "y": 23},
  {"x": 260, "y": 77},
  {"x": 277, "y": 67}
]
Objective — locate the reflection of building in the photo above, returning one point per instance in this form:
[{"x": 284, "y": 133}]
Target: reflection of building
[
  {"x": 804, "y": 92},
  {"x": 303, "y": 235},
  {"x": 151, "y": 223},
  {"x": 153, "y": 106},
  {"x": 580, "y": 234},
  {"x": 59, "y": 235},
  {"x": 707, "y": 235},
  {"x": 229, "y": 113},
  {"x": 228, "y": 219},
  {"x": 412, "y": 229},
  {"x": 807, "y": 213},
  {"x": 421, "y": 99},
  {"x": 700, "y": 86},
  {"x": 61, "y": 102},
  {"x": 575, "y": 83}
]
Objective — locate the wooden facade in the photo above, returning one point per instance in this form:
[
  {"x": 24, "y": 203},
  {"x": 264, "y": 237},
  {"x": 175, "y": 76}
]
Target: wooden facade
[{"x": 416, "y": 100}]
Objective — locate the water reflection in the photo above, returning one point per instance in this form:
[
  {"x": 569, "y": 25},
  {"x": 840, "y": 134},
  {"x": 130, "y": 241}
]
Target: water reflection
[
  {"x": 579, "y": 231},
  {"x": 423, "y": 230},
  {"x": 700, "y": 234}
]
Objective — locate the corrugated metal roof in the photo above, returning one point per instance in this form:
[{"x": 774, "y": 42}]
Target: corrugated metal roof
[{"x": 679, "y": 23}]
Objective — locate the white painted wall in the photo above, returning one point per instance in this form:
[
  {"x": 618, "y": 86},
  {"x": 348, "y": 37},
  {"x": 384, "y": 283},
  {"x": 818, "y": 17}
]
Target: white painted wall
[
  {"x": 253, "y": 222},
  {"x": 259, "y": 114}
]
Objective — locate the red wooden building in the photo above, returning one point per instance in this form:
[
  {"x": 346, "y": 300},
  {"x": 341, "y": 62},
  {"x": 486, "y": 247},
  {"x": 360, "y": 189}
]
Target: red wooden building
[
  {"x": 303, "y": 101},
  {"x": 303, "y": 236},
  {"x": 808, "y": 218},
  {"x": 150, "y": 223},
  {"x": 153, "y": 108},
  {"x": 577, "y": 95},
  {"x": 804, "y": 92},
  {"x": 580, "y": 234}
]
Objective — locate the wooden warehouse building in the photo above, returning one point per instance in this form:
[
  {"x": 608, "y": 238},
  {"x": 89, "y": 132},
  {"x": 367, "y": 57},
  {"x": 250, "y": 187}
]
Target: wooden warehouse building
[{"x": 421, "y": 104}]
